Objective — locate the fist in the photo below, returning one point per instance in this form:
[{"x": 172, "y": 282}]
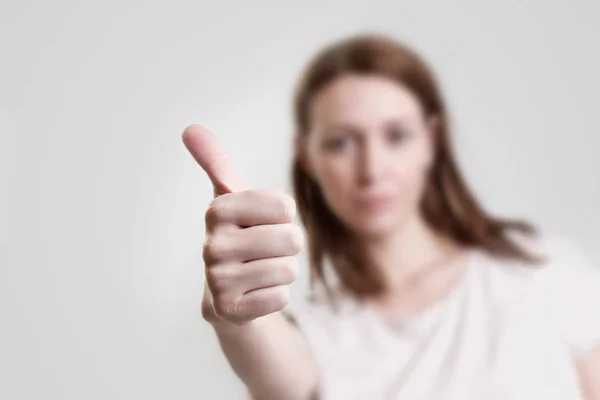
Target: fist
[{"x": 251, "y": 240}]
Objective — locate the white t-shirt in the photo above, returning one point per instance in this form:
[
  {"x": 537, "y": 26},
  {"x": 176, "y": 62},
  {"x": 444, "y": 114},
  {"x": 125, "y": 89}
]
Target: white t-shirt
[{"x": 507, "y": 331}]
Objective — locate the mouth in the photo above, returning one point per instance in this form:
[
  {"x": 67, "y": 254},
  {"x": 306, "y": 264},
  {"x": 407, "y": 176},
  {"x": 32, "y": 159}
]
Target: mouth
[{"x": 374, "y": 203}]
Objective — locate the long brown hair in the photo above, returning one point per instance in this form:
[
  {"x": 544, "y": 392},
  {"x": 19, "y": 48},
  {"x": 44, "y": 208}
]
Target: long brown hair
[{"x": 448, "y": 205}]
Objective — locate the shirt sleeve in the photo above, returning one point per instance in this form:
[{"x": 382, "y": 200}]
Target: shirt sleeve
[{"x": 573, "y": 285}]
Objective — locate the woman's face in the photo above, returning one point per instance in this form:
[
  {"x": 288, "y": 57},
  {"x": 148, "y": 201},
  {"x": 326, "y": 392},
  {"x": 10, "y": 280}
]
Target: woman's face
[{"x": 369, "y": 149}]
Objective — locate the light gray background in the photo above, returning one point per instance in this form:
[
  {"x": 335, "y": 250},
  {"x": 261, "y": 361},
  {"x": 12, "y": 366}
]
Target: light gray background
[{"x": 102, "y": 208}]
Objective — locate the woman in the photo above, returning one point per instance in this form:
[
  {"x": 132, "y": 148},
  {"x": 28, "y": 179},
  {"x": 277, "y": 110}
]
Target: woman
[{"x": 419, "y": 293}]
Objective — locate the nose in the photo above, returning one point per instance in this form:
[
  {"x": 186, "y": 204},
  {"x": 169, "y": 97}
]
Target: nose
[{"x": 371, "y": 161}]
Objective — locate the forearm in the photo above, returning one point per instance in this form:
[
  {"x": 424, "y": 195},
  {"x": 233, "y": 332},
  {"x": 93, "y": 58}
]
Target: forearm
[
  {"x": 270, "y": 358},
  {"x": 589, "y": 374}
]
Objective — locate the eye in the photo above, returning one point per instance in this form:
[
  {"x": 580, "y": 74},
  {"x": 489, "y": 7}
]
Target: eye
[
  {"x": 397, "y": 135},
  {"x": 338, "y": 143}
]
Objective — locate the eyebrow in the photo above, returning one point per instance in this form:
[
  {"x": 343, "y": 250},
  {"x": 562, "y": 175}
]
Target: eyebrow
[{"x": 342, "y": 126}]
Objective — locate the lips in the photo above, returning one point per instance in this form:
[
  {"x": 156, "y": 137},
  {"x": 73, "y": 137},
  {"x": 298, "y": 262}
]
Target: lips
[{"x": 375, "y": 203}]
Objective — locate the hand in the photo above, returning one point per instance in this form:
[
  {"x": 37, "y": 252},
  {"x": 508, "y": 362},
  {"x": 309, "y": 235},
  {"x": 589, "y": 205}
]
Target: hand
[{"x": 251, "y": 241}]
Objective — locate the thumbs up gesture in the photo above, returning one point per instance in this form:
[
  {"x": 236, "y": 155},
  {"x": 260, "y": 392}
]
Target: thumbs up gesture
[{"x": 251, "y": 240}]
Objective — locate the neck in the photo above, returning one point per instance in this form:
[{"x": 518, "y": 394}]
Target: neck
[{"x": 408, "y": 251}]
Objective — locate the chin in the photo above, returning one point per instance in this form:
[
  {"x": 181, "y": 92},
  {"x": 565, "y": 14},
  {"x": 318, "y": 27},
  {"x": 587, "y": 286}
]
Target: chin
[{"x": 376, "y": 226}]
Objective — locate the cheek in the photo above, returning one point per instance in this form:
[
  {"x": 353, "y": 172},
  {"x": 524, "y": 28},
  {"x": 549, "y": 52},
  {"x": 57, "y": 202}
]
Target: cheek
[
  {"x": 410, "y": 176},
  {"x": 336, "y": 179},
  {"x": 410, "y": 186}
]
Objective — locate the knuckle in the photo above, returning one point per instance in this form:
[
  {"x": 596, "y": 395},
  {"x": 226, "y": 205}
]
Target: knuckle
[
  {"x": 225, "y": 308},
  {"x": 213, "y": 251},
  {"x": 208, "y": 311},
  {"x": 218, "y": 280},
  {"x": 211, "y": 217},
  {"x": 214, "y": 214}
]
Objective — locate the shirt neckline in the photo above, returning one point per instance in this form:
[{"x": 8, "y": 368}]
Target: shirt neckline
[{"x": 424, "y": 321}]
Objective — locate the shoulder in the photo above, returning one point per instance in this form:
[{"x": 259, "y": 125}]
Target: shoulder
[
  {"x": 565, "y": 273},
  {"x": 564, "y": 287},
  {"x": 562, "y": 264}
]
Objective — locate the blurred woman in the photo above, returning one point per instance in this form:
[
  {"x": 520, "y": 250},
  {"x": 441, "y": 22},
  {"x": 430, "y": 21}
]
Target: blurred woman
[{"x": 417, "y": 291}]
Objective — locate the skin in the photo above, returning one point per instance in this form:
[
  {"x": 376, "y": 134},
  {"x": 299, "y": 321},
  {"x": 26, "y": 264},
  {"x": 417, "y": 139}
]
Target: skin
[
  {"x": 249, "y": 263},
  {"x": 370, "y": 148},
  {"x": 589, "y": 373}
]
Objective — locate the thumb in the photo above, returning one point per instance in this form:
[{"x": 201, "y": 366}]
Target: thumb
[{"x": 210, "y": 155}]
